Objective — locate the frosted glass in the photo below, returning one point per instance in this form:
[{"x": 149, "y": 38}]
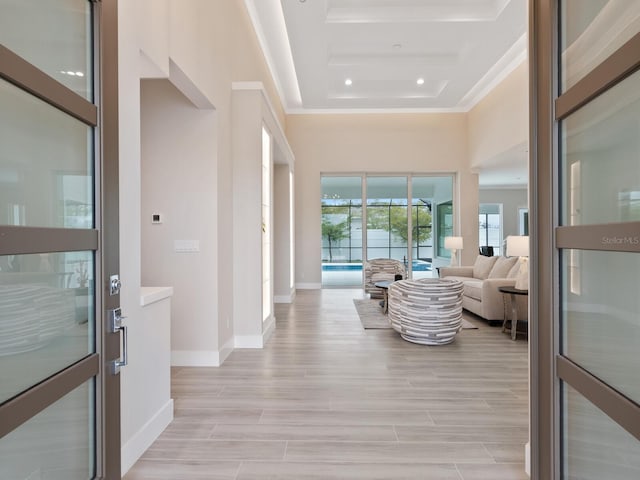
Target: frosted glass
[
  {"x": 56, "y": 444},
  {"x": 601, "y": 316},
  {"x": 594, "y": 446},
  {"x": 591, "y": 31},
  {"x": 601, "y": 158},
  {"x": 46, "y": 164},
  {"x": 46, "y": 316},
  {"x": 53, "y": 35}
]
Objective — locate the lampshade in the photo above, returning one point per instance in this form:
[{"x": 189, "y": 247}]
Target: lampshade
[
  {"x": 453, "y": 243},
  {"x": 518, "y": 246}
]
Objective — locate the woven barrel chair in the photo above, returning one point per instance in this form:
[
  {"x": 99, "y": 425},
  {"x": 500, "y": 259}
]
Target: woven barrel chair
[
  {"x": 426, "y": 311},
  {"x": 379, "y": 269}
]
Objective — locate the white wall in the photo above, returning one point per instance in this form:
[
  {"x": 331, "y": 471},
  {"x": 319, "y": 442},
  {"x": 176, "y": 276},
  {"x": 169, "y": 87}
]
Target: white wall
[
  {"x": 178, "y": 169},
  {"x": 201, "y": 47},
  {"x": 146, "y": 382},
  {"x": 500, "y": 121},
  {"x": 400, "y": 143}
]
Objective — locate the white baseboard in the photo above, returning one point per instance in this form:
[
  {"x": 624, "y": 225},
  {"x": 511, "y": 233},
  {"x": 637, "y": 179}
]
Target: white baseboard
[
  {"x": 268, "y": 328},
  {"x": 143, "y": 438},
  {"x": 226, "y": 350},
  {"x": 285, "y": 298},
  {"x": 257, "y": 341},
  {"x": 195, "y": 358},
  {"x": 308, "y": 286},
  {"x": 527, "y": 458}
]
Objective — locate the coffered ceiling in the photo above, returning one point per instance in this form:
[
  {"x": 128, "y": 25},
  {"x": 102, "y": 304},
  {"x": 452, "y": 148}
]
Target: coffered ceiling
[
  {"x": 426, "y": 55},
  {"x": 359, "y": 56}
]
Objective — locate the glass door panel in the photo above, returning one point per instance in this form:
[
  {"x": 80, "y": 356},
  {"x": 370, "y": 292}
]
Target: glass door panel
[
  {"x": 44, "y": 182},
  {"x": 601, "y": 319},
  {"x": 594, "y": 446},
  {"x": 600, "y": 152},
  {"x": 55, "y": 36},
  {"x": 591, "y": 31},
  {"x": 341, "y": 218},
  {"x": 387, "y": 218},
  {"x": 444, "y": 222},
  {"x": 56, "y": 444},
  {"x": 426, "y": 193},
  {"x": 47, "y": 316}
]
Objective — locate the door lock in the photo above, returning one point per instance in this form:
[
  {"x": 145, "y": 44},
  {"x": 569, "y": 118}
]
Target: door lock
[{"x": 114, "y": 284}]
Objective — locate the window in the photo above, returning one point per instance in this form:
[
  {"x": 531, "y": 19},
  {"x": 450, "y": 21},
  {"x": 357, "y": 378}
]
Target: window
[{"x": 490, "y": 226}]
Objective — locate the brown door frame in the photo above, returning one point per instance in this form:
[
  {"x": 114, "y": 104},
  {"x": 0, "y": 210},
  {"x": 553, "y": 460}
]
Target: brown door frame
[{"x": 110, "y": 233}]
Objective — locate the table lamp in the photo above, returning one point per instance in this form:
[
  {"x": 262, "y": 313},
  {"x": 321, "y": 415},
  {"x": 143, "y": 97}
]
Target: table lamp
[
  {"x": 518, "y": 246},
  {"x": 454, "y": 244}
]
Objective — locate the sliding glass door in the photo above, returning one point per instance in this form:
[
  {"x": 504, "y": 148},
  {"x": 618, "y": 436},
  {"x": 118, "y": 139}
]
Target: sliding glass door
[
  {"x": 427, "y": 233},
  {"x": 387, "y": 218},
  {"x": 341, "y": 206},
  {"x": 400, "y": 224}
]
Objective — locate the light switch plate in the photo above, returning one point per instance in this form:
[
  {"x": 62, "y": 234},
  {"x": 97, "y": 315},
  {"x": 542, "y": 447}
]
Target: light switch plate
[{"x": 186, "y": 246}]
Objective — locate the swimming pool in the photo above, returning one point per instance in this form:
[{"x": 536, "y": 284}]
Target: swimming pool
[{"x": 417, "y": 266}]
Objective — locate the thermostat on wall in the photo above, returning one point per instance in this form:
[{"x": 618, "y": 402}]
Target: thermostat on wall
[{"x": 156, "y": 218}]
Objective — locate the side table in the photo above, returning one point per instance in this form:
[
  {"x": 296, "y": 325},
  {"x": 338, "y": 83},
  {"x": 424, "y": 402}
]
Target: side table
[
  {"x": 384, "y": 286},
  {"x": 512, "y": 292}
]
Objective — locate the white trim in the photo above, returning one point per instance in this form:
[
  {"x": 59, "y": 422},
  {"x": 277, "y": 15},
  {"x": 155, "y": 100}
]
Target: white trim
[
  {"x": 368, "y": 111},
  {"x": 512, "y": 59},
  {"x": 149, "y": 295},
  {"x": 195, "y": 358},
  {"x": 527, "y": 458},
  {"x": 248, "y": 341},
  {"x": 143, "y": 438},
  {"x": 277, "y": 55},
  {"x": 189, "y": 89},
  {"x": 281, "y": 137},
  {"x": 226, "y": 350},
  {"x": 268, "y": 328},
  {"x": 308, "y": 286},
  {"x": 257, "y": 341}
]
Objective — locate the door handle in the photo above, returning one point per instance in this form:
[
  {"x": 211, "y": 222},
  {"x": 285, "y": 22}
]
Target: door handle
[{"x": 116, "y": 326}]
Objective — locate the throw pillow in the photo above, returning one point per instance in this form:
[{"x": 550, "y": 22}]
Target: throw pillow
[
  {"x": 502, "y": 267},
  {"x": 483, "y": 266}
]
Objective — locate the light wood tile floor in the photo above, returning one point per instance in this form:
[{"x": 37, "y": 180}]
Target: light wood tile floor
[{"x": 328, "y": 400}]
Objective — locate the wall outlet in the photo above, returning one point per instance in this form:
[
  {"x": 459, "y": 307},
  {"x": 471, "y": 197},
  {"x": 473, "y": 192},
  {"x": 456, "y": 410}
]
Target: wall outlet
[{"x": 156, "y": 218}]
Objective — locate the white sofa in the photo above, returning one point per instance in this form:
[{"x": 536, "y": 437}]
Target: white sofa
[{"x": 481, "y": 281}]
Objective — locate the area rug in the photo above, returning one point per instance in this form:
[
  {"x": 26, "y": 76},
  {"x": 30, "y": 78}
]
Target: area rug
[{"x": 371, "y": 316}]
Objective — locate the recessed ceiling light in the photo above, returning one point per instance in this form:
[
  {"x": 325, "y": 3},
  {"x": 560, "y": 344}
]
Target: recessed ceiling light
[
  {"x": 420, "y": 81},
  {"x": 348, "y": 82}
]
